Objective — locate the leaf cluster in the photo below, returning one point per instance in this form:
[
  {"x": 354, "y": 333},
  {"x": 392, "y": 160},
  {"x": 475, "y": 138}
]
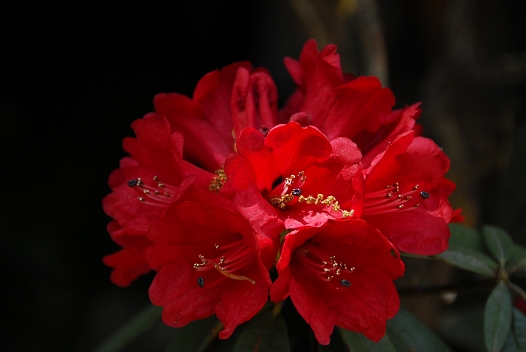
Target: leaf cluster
[{"x": 492, "y": 254}]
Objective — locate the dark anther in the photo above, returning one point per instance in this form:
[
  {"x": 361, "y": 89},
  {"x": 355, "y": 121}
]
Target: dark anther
[
  {"x": 296, "y": 192},
  {"x": 277, "y": 182},
  {"x": 200, "y": 281},
  {"x": 132, "y": 182},
  {"x": 345, "y": 283},
  {"x": 424, "y": 195}
]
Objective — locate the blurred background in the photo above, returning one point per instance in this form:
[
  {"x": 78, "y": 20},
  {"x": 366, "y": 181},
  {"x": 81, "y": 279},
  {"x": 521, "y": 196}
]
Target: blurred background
[{"x": 75, "y": 76}]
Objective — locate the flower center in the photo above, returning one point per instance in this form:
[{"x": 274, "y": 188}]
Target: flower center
[
  {"x": 289, "y": 192},
  {"x": 325, "y": 267},
  {"x": 158, "y": 194},
  {"x": 286, "y": 192},
  {"x": 393, "y": 199},
  {"x": 218, "y": 181},
  {"x": 229, "y": 260}
]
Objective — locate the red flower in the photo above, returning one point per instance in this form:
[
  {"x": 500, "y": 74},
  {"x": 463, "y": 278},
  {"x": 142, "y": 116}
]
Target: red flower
[
  {"x": 224, "y": 102},
  {"x": 142, "y": 188},
  {"x": 294, "y": 175},
  {"x": 341, "y": 170},
  {"x": 402, "y": 171},
  {"x": 209, "y": 260},
  {"x": 340, "y": 105},
  {"x": 406, "y": 195},
  {"x": 340, "y": 274},
  {"x": 232, "y": 98}
]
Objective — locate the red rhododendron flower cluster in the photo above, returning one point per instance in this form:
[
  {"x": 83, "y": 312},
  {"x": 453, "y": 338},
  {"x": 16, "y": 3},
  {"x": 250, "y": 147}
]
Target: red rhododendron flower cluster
[{"x": 221, "y": 188}]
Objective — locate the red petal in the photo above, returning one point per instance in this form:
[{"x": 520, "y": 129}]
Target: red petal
[
  {"x": 239, "y": 303},
  {"x": 373, "y": 143},
  {"x": 175, "y": 288},
  {"x": 412, "y": 162},
  {"x": 408, "y": 160},
  {"x": 214, "y": 94},
  {"x": 321, "y": 74},
  {"x": 203, "y": 143},
  {"x": 414, "y": 231},
  {"x": 330, "y": 170},
  {"x": 369, "y": 307},
  {"x": 316, "y": 312},
  {"x": 286, "y": 150},
  {"x": 188, "y": 230},
  {"x": 263, "y": 218},
  {"x": 152, "y": 148},
  {"x": 457, "y": 216},
  {"x": 294, "y": 68},
  {"x": 359, "y": 105},
  {"x": 130, "y": 262},
  {"x": 123, "y": 204},
  {"x": 364, "y": 306},
  {"x": 254, "y": 101}
]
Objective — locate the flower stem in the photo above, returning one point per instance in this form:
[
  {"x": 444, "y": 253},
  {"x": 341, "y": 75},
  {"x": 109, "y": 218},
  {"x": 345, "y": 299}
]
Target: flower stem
[
  {"x": 212, "y": 336},
  {"x": 131, "y": 330}
]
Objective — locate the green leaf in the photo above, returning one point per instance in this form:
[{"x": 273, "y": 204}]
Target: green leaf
[
  {"x": 357, "y": 342},
  {"x": 195, "y": 336},
  {"x": 265, "y": 332},
  {"x": 468, "y": 251},
  {"x": 516, "y": 341},
  {"x": 470, "y": 260},
  {"x": 131, "y": 330},
  {"x": 416, "y": 336},
  {"x": 497, "y": 318},
  {"x": 499, "y": 243},
  {"x": 517, "y": 260},
  {"x": 466, "y": 237}
]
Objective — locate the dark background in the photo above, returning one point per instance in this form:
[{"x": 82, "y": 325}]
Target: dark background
[{"x": 75, "y": 76}]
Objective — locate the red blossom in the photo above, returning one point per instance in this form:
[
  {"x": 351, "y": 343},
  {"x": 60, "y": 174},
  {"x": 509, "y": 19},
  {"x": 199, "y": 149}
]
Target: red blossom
[
  {"x": 294, "y": 175},
  {"x": 234, "y": 97},
  {"x": 360, "y": 109},
  {"x": 142, "y": 188},
  {"x": 209, "y": 260},
  {"x": 406, "y": 195},
  {"x": 339, "y": 107},
  {"x": 340, "y": 274},
  {"x": 224, "y": 102},
  {"x": 352, "y": 178}
]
